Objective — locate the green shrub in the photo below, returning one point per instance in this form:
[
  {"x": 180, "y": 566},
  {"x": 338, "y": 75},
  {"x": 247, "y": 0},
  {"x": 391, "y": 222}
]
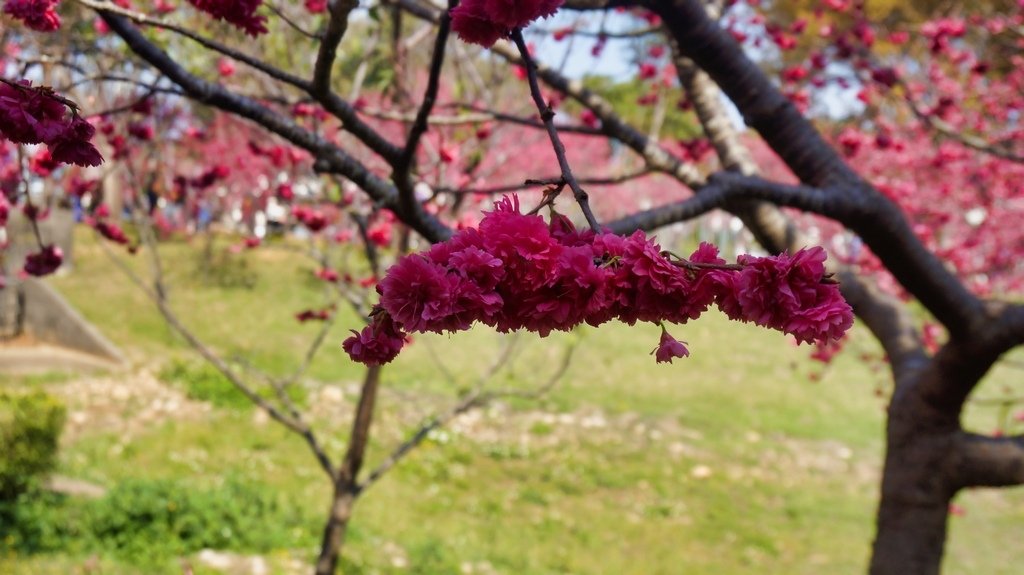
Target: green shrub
[
  {"x": 39, "y": 521},
  {"x": 219, "y": 267},
  {"x": 149, "y": 522},
  {"x": 140, "y": 519},
  {"x": 30, "y": 426},
  {"x": 203, "y": 382}
]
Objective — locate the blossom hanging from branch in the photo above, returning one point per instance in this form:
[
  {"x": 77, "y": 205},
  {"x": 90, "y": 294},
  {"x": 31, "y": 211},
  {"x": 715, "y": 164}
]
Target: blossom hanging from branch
[
  {"x": 239, "y": 13},
  {"x": 39, "y": 15},
  {"x": 519, "y": 272},
  {"x": 37, "y": 115},
  {"x": 484, "y": 22}
]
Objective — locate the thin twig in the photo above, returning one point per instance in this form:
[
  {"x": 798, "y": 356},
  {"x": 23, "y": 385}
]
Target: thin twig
[
  {"x": 547, "y": 116},
  {"x": 407, "y": 197},
  {"x": 336, "y": 27},
  {"x": 549, "y": 181},
  {"x": 478, "y": 397}
]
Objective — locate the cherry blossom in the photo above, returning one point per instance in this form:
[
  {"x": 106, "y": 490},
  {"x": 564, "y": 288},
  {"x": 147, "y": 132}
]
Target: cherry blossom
[{"x": 517, "y": 271}]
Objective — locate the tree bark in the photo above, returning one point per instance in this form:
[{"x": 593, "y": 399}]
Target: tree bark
[
  {"x": 917, "y": 483},
  {"x": 346, "y": 482},
  {"x": 335, "y": 530}
]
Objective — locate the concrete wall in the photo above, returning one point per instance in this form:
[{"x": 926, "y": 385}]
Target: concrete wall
[
  {"x": 49, "y": 318},
  {"x": 57, "y": 228}
]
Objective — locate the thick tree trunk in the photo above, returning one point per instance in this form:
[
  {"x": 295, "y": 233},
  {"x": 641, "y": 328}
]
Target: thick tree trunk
[
  {"x": 335, "y": 531},
  {"x": 346, "y": 482},
  {"x": 911, "y": 535},
  {"x": 916, "y": 486}
]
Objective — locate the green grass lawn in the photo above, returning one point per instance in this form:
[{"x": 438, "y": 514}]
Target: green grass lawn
[{"x": 731, "y": 461}]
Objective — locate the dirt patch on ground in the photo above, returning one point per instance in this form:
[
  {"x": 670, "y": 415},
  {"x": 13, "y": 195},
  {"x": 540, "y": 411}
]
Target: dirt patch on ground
[{"x": 125, "y": 403}]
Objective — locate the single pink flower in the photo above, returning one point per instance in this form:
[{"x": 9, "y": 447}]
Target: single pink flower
[
  {"x": 238, "y": 13},
  {"x": 378, "y": 343},
  {"x": 44, "y": 262},
  {"x": 471, "y": 23},
  {"x": 39, "y": 15},
  {"x": 669, "y": 348}
]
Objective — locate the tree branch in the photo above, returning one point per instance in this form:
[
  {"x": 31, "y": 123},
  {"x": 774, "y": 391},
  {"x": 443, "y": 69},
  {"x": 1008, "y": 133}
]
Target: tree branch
[
  {"x": 403, "y": 167},
  {"x": 476, "y": 398},
  {"x": 330, "y": 158},
  {"x": 336, "y": 27},
  {"x": 547, "y": 116},
  {"x": 725, "y": 187},
  {"x": 879, "y": 222},
  {"x": 254, "y": 63},
  {"x": 887, "y": 319},
  {"x": 550, "y": 181},
  {"x": 983, "y": 461}
]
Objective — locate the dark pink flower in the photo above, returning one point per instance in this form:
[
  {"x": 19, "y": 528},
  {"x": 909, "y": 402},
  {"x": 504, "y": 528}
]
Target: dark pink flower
[
  {"x": 787, "y": 293},
  {"x": 478, "y": 266},
  {"x": 238, "y": 13},
  {"x": 417, "y": 294},
  {"x": 226, "y": 68},
  {"x": 578, "y": 293},
  {"x": 378, "y": 343},
  {"x": 518, "y": 13},
  {"x": 29, "y": 115},
  {"x": 669, "y": 348},
  {"x": 39, "y": 15},
  {"x": 141, "y": 130},
  {"x": 471, "y": 23},
  {"x": 522, "y": 242},
  {"x": 44, "y": 262},
  {"x": 43, "y": 164},
  {"x": 112, "y": 232},
  {"x": 73, "y": 147},
  {"x": 824, "y": 317},
  {"x": 322, "y": 314},
  {"x": 483, "y": 22},
  {"x": 328, "y": 275},
  {"x": 519, "y": 272}
]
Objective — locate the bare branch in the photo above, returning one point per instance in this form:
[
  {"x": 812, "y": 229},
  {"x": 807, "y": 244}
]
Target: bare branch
[
  {"x": 946, "y": 130},
  {"x": 403, "y": 167},
  {"x": 478, "y": 397},
  {"x": 983, "y": 461},
  {"x": 726, "y": 187},
  {"x": 879, "y": 222},
  {"x": 330, "y": 158},
  {"x": 336, "y": 27},
  {"x": 140, "y": 18},
  {"x": 549, "y": 181},
  {"x": 547, "y": 116}
]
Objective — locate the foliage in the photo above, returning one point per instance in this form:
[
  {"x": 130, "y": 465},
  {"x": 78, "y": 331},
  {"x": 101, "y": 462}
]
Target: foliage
[
  {"x": 147, "y": 522},
  {"x": 163, "y": 518},
  {"x": 204, "y": 382},
  {"x": 221, "y": 268},
  {"x": 30, "y": 426}
]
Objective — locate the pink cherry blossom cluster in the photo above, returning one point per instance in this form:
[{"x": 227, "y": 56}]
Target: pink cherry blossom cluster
[
  {"x": 100, "y": 221},
  {"x": 239, "y": 13},
  {"x": 39, "y": 15},
  {"x": 518, "y": 272},
  {"x": 35, "y": 115},
  {"x": 484, "y": 22}
]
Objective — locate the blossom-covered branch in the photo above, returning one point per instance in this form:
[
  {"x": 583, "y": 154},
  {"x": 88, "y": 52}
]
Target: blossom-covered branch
[
  {"x": 38, "y": 115},
  {"x": 519, "y": 272}
]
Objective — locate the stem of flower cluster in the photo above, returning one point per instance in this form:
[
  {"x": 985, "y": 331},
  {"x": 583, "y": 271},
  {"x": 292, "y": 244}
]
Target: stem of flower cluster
[{"x": 547, "y": 116}]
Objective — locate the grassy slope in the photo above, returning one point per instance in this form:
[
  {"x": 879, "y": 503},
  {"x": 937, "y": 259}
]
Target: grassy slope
[{"x": 731, "y": 461}]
